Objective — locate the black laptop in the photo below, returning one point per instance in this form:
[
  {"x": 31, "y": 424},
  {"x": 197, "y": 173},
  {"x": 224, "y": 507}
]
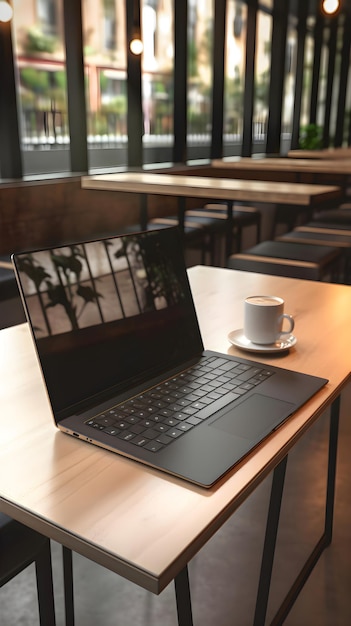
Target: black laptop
[{"x": 122, "y": 358}]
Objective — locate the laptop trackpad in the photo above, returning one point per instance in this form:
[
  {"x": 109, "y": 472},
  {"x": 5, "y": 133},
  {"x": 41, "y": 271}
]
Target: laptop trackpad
[{"x": 254, "y": 417}]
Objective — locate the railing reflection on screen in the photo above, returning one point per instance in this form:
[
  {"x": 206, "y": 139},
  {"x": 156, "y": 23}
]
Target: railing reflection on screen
[{"x": 84, "y": 285}]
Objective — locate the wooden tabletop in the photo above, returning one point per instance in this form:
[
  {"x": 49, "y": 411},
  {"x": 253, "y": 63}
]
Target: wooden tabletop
[
  {"x": 137, "y": 521},
  {"x": 6, "y": 265},
  {"x": 327, "y": 153},
  {"x": 216, "y": 188},
  {"x": 317, "y": 166}
]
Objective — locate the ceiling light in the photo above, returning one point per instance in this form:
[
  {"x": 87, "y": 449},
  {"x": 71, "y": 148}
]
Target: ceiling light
[
  {"x": 136, "y": 46},
  {"x": 6, "y": 11},
  {"x": 330, "y": 7}
]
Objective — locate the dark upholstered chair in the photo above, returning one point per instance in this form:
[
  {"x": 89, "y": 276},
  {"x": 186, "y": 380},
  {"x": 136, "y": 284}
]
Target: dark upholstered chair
[
  {"x": 243, "y": 216},
  {"x": 204, "y": 227},
  {"x": 11, "y": 309},
  {"x": 295, "y": 260},
  {"x": 199, "y": 232},
  {"x": 288, "y": 217},
  {"x": 341, "y": 215},
  {"x": 19, "y": 547},
  {"x": 209, "y": 224},
  {"x": 338, "y": 238}
]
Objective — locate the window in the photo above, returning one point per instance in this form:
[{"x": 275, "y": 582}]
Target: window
[
  {"x": 234, "y": 70},
  {"x": 157, "y": 79},
  {"x": 200, "y": 41},
  {"x": 109, "y": 25},
  {"x": 42, "y": 94},
  {"x": 40, "y": 62},
  {"x": 307, "y": 80},
  {"x": 323, "y": 79},
  {"x": 289, "y": 82},
  {"x": 262, "y": 76},
  {"x": 104, "y": 26},
  {"x": 47, "y": 16}
]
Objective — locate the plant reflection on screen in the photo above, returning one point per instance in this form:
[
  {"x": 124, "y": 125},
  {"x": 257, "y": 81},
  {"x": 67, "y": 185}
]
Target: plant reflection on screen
[{"x": 82, "y": 285}]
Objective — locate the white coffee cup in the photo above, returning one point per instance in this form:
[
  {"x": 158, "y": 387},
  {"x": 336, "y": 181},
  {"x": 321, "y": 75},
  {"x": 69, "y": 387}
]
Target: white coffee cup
[{"x": 263, "y": 319}]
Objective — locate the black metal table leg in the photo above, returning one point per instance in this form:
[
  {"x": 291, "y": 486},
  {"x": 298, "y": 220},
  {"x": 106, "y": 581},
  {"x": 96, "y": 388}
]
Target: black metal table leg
[
  {"x": 181, "y": 212},
  {"x": 183, "y": 598},
  {"x": 43, "y": 565},
  {"x": 68, "y": 585},
  {"x": 326, "y": 538},
  {"x": 333, "y": 448},
  {"x": 229, "y": 235},
  {"x": 270, "y": 542},
  {"x": 143, "y": 219}
]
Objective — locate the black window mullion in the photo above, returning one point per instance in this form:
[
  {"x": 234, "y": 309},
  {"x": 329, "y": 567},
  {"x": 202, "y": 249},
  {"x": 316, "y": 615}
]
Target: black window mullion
[
  {"x": 318, "y": 41},
  {"x": 180, "y": 80},
  {"x": 10, "y": 149},
  {"x": 134, "y": 90},
  {"x": 344, "y": 71},
  {"x": 249, "y": 90},
  {"x": 77, "y": 117},
  {"x": 218, "y": 55},
  {"x": 301, "y": 39},
  {"x": 330, "y": 78},
  {"x": 276, "y": 88}
]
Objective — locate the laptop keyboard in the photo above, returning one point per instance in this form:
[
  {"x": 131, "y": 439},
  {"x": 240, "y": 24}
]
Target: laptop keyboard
[{"x": 154, "y": 419}]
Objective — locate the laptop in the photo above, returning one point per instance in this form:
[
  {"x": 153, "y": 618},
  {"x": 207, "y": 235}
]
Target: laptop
[{"x": 119, "y": 345}]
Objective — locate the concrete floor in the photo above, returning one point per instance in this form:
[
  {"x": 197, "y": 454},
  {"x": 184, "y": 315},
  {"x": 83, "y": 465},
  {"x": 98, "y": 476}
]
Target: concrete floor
[{"x": 224, "y": 574}]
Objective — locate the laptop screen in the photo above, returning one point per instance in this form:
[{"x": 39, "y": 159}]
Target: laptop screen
[{"x": 108, "y": 314}]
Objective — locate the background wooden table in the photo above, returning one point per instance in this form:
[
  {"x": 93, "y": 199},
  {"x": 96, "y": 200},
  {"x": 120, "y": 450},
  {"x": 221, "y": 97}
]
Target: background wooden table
[{"x": 212, "y": 188}]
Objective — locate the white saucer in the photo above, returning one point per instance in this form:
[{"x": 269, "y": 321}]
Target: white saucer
[{"x": 238, "y": 339}]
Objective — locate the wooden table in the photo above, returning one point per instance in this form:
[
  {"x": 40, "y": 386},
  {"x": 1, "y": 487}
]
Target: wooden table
[
  {"x": 136, "y": 521},
  {"x": 6, "y": 265},
  {"x": 213, "y": 188},
  {"x": 310, "y": 171},
  {"x": 327, "y": 153},
  {"x": 230, "y": 190}
]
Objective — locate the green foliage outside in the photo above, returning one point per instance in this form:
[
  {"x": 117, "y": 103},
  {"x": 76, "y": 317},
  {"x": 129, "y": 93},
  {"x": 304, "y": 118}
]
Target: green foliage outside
[
  {"x": 35, "y": 80},
  {"x": 118, "y": 105},
  {"x": 311, "y": 137},
  {"x": 41, "y": 87},
  {"x": 37, "y": 42}
]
